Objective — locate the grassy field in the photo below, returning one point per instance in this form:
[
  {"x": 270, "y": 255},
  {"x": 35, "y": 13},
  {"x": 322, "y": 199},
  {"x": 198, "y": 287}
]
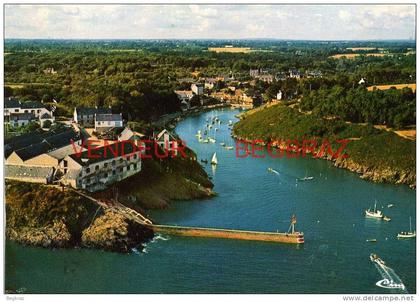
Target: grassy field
[
  {"x": 361, "y": 48},
  {"x": 354, "y": 55},
  {"x": 230, "y": 49},
  {"x": 398, "y": 86},
  {"x": 408, "y": 134}
]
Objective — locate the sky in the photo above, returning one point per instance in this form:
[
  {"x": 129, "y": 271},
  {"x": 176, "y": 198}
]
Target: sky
[{"x": 305, "y": 22}]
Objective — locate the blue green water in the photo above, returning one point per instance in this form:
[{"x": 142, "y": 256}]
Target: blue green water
[{"x": 329, "y": 209}]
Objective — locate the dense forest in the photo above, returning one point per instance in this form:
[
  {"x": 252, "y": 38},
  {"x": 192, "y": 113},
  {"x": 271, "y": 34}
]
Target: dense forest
[{"x": 138, "y": 77}]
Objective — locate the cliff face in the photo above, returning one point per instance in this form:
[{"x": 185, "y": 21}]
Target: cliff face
[
  {"x": 161, "y": 182},
  {"x": 112, "y": 232},
  {"x": 44, "y": 216},
  {"x": 377, "y": 174}
]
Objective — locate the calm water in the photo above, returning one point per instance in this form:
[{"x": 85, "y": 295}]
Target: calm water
[{"x": 334, "y": 258}]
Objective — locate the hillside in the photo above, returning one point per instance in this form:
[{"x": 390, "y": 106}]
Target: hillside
[{"x": 375, "y": 154}]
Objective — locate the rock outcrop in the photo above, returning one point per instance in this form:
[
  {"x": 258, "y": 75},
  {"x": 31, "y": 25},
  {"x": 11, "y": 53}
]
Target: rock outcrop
[{"x": 113, "y": 232}]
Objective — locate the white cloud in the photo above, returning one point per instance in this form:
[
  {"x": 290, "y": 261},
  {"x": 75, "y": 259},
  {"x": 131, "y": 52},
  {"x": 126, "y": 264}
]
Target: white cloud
[{"x": 210, "y": 21}]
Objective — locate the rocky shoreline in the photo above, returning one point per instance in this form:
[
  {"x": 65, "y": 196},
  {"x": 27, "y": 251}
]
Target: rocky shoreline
[
  {"x": 386, "y": 175},
  {"x": 45, "y": 216},
  {"x": 57, "y": 219}
]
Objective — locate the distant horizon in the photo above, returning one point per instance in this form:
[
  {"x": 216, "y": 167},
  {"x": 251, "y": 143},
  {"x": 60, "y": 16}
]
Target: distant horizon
[
  {"x": 302, "y": 22},
  {"x": 204, "y": 39}
]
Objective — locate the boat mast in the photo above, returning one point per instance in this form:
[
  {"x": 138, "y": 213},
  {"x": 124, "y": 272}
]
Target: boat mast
[
  {"x": 410, "y": 225},
  {"x": 375, "y": 207}
]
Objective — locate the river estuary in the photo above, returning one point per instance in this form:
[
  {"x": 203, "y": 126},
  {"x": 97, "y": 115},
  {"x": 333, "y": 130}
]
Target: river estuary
[{"x": 329, "y": 210}]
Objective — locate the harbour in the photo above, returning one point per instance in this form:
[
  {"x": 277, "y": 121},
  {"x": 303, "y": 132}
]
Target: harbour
[{"x": 330, "y": 211}]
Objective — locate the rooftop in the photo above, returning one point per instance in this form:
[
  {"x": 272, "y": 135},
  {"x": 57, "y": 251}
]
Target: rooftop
[
  {"x": 99, "y": 154},
  {"x": 108, "y": 117},
  {"x": 15, "y": 103},
  {"x": 27, "y": 171},
  {"x": 92, "y": 110},
  {"x": 43, "y": 144}
]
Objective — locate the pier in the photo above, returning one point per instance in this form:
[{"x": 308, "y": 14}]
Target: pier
[
  {"x": 295, "y": 238},
  {"x": 291, "y": 236}
]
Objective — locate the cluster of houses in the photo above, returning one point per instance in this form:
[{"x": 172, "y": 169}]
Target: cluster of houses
[
  {"x": 18, "y": 113},
  {"x": 68, "y": 155},
  {"x": 233, "y": 91},
  {"x": 268, "y": 76}
]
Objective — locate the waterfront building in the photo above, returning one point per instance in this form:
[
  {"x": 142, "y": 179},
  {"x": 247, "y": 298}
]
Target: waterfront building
[
  {"x": 96, "y": 169},
  {"x": 35, "y": 157},
  {"x": 167, "y": 141}
]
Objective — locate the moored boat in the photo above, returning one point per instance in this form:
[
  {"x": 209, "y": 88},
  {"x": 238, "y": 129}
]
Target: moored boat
[
  {"x": 374, "y": 213},
  {"x": 407, "y": 235}
]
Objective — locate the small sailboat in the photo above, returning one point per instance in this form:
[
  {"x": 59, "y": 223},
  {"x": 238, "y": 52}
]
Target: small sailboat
[
  {"x": 371, "y": 240},
  {"x": 230, "y": 123},
  {"x": 306, "y": 177},
  {"x": 386, "y": 218},
  {"x": 375, "y": 213},
  {"x": 214, "y": 159},
  {"x": 222, "y": 144},
  {"x": 229, "y": 147},
  {"x": 390, "y": 205},
  {"x": 407, "y": 235},
  {"x": 198, "y": 133}
]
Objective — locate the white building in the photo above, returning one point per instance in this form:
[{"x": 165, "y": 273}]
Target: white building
[
  {"x": 184, "y": 95},
  {"x": 105, "y": 122},
  {"x": 14, "y": 106},
  {"x": 111, "y": 164},
  {"x": 20, "y": 119},
  {"x": 85, "y": 116},
  {"x": 197, "y": 88},
  {"x": 167, "y": 141},
  {"x": 279, "y": 95}
]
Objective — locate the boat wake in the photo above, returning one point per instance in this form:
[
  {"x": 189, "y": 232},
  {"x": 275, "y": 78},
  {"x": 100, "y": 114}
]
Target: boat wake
[
  {"x": 390, "y": 279},
  {"x": 273, "y": 171},
  {"x": 147, "y": 246},
  {"x": 159, "y": 237}
]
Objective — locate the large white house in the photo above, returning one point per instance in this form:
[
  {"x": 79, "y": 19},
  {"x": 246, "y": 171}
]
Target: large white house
[
  {"x": 85, "y": 116},
  {"x": 105, "y": 122},
  {"x": 96, "y": 169},
  {"x": 18, "y": 113}
]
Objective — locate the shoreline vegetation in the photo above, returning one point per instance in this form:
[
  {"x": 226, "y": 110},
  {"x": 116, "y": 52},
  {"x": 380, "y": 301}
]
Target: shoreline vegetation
[
  {"x": 45, "y": 216},
  {"x": 376, "y": 155}
]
